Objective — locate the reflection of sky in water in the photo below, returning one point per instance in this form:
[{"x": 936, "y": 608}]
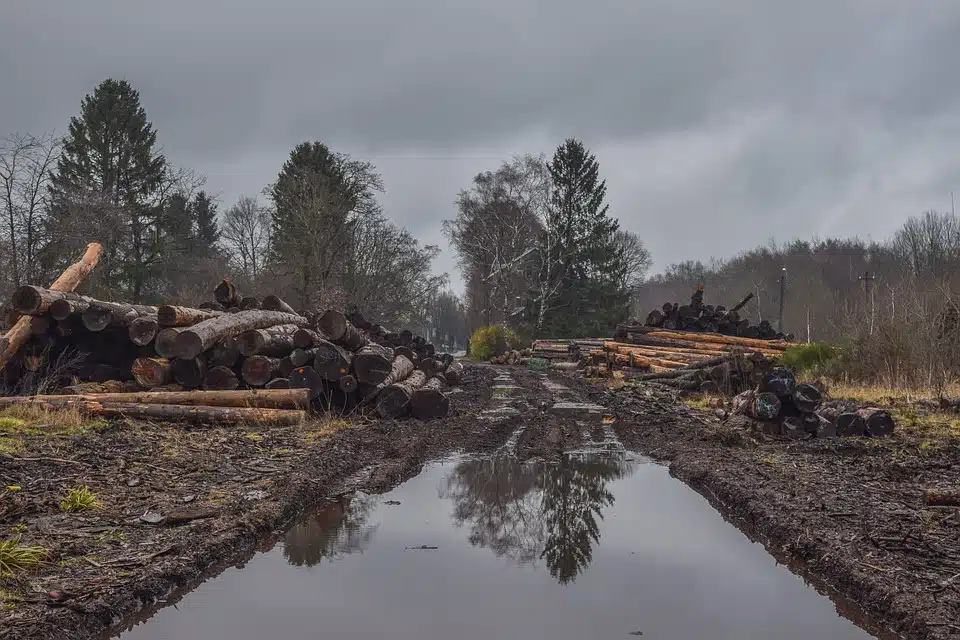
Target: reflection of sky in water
[{"x": 666, "y": 564}]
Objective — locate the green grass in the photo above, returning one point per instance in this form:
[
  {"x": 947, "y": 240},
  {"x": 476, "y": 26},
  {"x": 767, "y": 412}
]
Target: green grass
[
  {"x": 811, "y": 359},
  {"x": 16, "y": 557},
  {"x": 79, "y": 499}
]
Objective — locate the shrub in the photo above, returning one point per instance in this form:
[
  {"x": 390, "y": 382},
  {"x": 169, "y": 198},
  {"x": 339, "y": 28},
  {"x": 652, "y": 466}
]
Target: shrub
[
  {"x": 811, "y": 359},
  {"x": 492, "y": 341}
]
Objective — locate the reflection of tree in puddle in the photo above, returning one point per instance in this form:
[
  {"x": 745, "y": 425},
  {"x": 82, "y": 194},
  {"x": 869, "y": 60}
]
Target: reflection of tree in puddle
[
  {"x": 335, "y": 530},
  {"x": 528, "y": 512}
]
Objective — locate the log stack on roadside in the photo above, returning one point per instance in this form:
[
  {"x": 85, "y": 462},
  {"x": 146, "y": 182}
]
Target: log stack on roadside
[
  {"x": 231, "y": 345},
  {"x": 699, "y": 317}
]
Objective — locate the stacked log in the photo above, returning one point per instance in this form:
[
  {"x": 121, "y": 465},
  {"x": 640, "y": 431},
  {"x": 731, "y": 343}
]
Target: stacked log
[
  {"x": 699, "y": 317},
  {"x": 234, "y": 345},
  {"x": 564, "y": 350}
]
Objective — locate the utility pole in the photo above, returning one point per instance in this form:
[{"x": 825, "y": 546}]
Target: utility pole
[
  {"x": 868, "y": 292},
  {"x": 783, "y": 291}
]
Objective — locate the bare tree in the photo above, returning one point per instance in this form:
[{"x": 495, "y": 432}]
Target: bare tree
[
  {"x": 25, "y": 165},
  {"x": 246, "y": 236}
]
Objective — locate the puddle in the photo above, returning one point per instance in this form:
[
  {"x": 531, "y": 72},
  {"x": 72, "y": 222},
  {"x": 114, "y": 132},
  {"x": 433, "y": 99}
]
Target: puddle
[{"x": 594, "y": 546}]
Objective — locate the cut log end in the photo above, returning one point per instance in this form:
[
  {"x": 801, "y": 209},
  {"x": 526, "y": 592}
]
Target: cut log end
[{"x": 143, "y": 331}]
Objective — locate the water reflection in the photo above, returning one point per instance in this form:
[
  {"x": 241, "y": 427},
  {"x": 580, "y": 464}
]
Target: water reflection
[
  {"x": 536, "y": 511},
  {"x": 338, "y": 529}
]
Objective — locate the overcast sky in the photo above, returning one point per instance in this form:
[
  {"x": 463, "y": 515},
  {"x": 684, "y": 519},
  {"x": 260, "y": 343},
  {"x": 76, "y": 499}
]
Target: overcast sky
[{"x": 718, "y": 125}]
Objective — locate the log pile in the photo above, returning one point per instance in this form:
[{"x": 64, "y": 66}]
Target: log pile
[
  {"x": 164, "y": 362},
  {"x": 706, "y": 318},
  {"x": 783, "y": 406},
  {"x": 564, "y": 350}
]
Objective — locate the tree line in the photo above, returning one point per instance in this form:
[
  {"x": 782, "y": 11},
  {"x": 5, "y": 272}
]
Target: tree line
[{"x": 319, "y": 237}]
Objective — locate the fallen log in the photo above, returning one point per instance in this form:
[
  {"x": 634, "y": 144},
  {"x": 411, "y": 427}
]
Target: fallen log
[
  {"x": 226, "y": 294},
  {"x": 400, "y": 369},
  {"x": 249, "y": 302},
  {"x": 335, "y": 325},
  {"x": 795, "y": 427},
  {"x": 273, "y": 341},
  {"x": 165, "y": 342},
  {"x": 224, "y": 353},
  {"x": 259, "y": 370},
  {"x": 110, "y": 386},
  {"x": 372, "y": 364},
  {"x": 286, "y": 367},
  {"x": 305, "y": 338},
  {"x": 878, "y": 423},
  {"x": 454, "y": 374},
  {"x": 759, "y": 406},
  {"x": 332, "y": 361},
  {"x": 348, "y": 384},
  {"x": 30, "y": 300},
  {"x": 189, "y": 372},
  {"x": 194, "y": 340},
  {"x": 807, "y": 398},
  {"x": 268, "y": 399},
  {"x": 850, "y": 424},
  {"x": 170, "y": 412},
  {"x": 773, "y": 345},
  {"x": 780, "y": 381},
  {"x": 173, "y": 316},
  {"x": 221, "y": 379},
  {"x": 393, "y": 401},
  {"x": 282, "y": 383},
  {"x": 152, "y": 372},
  {"x": 18, "y": 335},
  {"x": 100, "y": 315},
  {"x": 273, "y": 303},
  {"x": 942, "y": 497},
  {"x": 429, "y": 401},
  {"x": 300, "y": 357},
  {"x": 143, "y": 330},
  {"x": 40, "y": 325}
]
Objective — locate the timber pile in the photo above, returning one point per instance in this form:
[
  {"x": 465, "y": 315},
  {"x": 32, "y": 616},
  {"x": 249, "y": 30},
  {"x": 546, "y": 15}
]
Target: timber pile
[
  {"x": 706, "y": 318},
  {"x": 233, "y": 358},
  {"x": 782, "y": 406},
  {"x": 564, "y": 350}
]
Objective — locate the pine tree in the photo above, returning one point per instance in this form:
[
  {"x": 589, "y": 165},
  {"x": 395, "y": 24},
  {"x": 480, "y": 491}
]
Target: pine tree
[
  {"x": 583, "y": 236},
  {"x": 204, "y": 209},
  {"x": 111, "y": 172}
]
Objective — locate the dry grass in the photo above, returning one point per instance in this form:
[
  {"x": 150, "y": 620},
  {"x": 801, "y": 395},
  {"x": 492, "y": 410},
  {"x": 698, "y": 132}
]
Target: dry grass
[
  {"x": 703, "y": 402},
  {"x": 325, "y": 427},
  {"x": 31, "y": 420},
  {"x": 884, "y": 395}
]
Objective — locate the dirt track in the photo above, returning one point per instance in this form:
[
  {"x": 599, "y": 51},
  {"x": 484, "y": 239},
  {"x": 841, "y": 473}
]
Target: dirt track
[{"x": 844, "y": 510}]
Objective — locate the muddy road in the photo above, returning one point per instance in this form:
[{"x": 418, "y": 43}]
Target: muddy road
[{"x": 528, "y": 513}]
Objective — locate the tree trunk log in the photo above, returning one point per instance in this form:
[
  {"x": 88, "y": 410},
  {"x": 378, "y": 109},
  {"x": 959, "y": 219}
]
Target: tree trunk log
[
  {"x": 18, "y": 335},
  {"x": 773, "y": 345},
  {"x": 372, "y": 364},
  {"x": 429, "y": 401},
  {"x": 942, "y": 497},
  {"x": 211, "y": 305},
  {"x": 300, "y": 357},
  {"x": 273, "y": 303},
  {"x": 170, "y": 412},
  {"x": 759, "y": 406},
  {"x": 454, "y": 374},
  {"x": 264, "y": 399},
  {"x": 165, "y": 343},
  {"x": 807, "y": 398},
  {"x": 226, "y": 294},
  {"x": 878, "y": 422},
  {"x": 742, "y": 303},
  {"x": 40, "y": 325},
  {"x": 152, "y": 372},
  {"x": 221, "y": 379},
  {"x": 393, "y": 401},
  {"x": 224, "y": 353},
  {"x": 196, "y": 339},
  {"x": 335, "y": 324},
  {"x": 189, "y": 373},
  {"x": 780, "y": 381},
  {"x": 348, "y": 384},
  {"x": 306, "y": 338},
  {"x": 850, "y": 424},
  {"x": 249, "y": 302},
  {"x": 259, "y": 370},
  {"x": 332, "y": 361},
  {"x": 275, "y": 341},
  {"x": 795, "y": 427},
  {"x": 31, "y": 300},
  {"x": 307, "y": 378},
  {"x": 286, "y": 367},
  {"x": 173, "y": 316},
  {"x": 400, "y": 370},
  {"x": 282, "y": 383},
  {"x": 101, "y": 315},
  {"x": 143, "y": 330}
]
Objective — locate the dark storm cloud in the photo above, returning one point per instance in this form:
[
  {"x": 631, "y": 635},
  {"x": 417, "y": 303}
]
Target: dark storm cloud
[{"x": 740, "y": 119}]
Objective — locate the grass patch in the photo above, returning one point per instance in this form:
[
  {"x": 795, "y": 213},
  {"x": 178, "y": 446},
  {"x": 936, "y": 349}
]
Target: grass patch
[
  {"x": 816, "y": 358},
  {"x": 928, "y": 425},
  {"x": 31, "y": 420},
  {"x": 16, "y": 557},
  {"x": 325, "y": 428},
  {"x": 80, "y": 499},
  {"x": 703, "y": 402}
]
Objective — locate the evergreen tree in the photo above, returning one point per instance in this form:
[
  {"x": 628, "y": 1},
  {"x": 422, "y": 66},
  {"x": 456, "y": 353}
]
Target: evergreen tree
[
  {"x": 582, "y": 238},
  {"x": 109, "y": 159},
  {"x": 204, "y": 209}
]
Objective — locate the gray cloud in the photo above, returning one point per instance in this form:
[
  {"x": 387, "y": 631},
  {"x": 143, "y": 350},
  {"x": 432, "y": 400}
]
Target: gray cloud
[{"x": 717, "y": 125}]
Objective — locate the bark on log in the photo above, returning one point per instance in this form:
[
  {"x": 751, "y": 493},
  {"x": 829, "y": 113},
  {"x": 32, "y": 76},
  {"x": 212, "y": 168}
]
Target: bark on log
[
  {"x": 40, "y": 325},
  {"x": 264, "y": 399},
  {"x": 759, "y": 406},
  {"x": 152, "y": 372},
  {"x": 780, "y": 381},
  {"x": 273, "y": 303},
  {"x": 306, "y": 338},
  {"x": 110, "y": 386},
  {"x": 173, "y": 316},
  {"x": 348, "y": 384},
  {"x": 300, "y": 357},
  {"x": 407, "y": 352},
  {"x": 31, "y": 300},
  {"x": 100, "y": 315},
  {"x": 393, "y": 401},
  {"x": 165, "y": 343},
  {"x": 774, "y": 345},
  {"x": 226, "y": 294},
  {"x": 249, "y": 302},
  {"x": 878, "y": 422},
  {"x": 795, "y": 427},
  {"x": 189, "y": 373},
  {"x": 274, "y": 341},
  {"x": 286, "y": 367},
  {"x": 18, "y": 335},
  {"x": 807, "y": 398},
  {"x": 454, "y": 374},
  {"x": 196, "y": 339},
  {"x": 211, "y": 305},
  {"x": 942, "y": 497},
  {"x": 221, "y": 379},
  {"x": 332, "y": 361},
  {"x": 429, "y": 401},
  {"x": 335, "y": 324},
  {"x": 742, "y": 303},
  {"x": 224, "y": 353},
  {"x": 307, "y": 378},
  {"x": 850, "y": 424},
  {"x": 171, "y": 412},
  {"x": 280, "y": 383},
  {"x": 259, "y": 370},
  {"x": 431, "y": 366},
  {"x": 372, "y": 364},
  {"x": 143, "y": 330}
]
